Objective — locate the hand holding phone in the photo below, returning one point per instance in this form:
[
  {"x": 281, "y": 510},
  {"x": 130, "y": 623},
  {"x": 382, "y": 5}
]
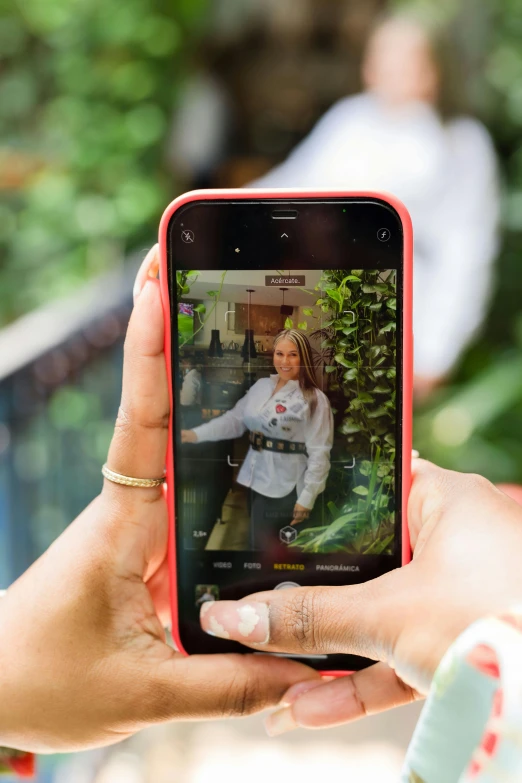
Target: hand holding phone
[
  {"x": 84, "y": 658},
  {"x": 405, "y": 619},
  {"x": 290, "y": 466}
]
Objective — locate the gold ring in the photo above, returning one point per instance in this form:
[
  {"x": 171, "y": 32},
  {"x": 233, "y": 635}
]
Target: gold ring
[{"x": 129, "y": 481}]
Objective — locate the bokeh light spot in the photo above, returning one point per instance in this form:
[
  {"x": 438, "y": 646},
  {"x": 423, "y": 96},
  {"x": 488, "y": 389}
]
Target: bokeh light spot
[{"x": 452, "y": 426}]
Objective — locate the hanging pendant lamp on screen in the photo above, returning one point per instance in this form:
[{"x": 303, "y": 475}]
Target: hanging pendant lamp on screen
[
  {"x": 215, "y": 348},
  {"x": 248, "y": 351},
  {"x": 285, "y": 309}
]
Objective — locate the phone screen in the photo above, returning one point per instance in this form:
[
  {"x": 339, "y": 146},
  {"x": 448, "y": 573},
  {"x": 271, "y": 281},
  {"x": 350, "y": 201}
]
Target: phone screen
[{"x": 286, "y": 364}]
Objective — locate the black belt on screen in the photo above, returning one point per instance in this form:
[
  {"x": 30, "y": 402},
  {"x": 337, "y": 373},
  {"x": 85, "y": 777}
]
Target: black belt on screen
[{"x": 260, "y": 442}]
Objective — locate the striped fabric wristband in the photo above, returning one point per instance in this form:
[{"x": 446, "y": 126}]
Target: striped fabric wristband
[{"x": 16, "y": 762}]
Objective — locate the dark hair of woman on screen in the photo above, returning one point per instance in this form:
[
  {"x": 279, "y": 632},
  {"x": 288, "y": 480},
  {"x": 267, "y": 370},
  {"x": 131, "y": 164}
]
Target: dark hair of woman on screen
[{"x": 290, "y": 428}]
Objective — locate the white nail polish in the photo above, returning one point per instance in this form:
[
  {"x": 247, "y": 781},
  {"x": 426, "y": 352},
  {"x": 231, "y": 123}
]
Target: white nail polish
[
  {"x": 248, "y": 619},
  {"x": 218, "y": 629}
]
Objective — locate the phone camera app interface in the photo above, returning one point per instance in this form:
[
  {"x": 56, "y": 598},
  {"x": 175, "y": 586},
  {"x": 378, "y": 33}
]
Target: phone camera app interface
[{"x": 285, "y": 426}]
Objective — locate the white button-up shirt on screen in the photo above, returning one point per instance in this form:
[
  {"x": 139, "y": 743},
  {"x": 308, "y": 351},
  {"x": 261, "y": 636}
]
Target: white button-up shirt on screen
[{"x": 286, "y": 416}]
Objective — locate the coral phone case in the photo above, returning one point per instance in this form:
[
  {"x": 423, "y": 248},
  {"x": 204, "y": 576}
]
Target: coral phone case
[{"x": 407, "y": 347}]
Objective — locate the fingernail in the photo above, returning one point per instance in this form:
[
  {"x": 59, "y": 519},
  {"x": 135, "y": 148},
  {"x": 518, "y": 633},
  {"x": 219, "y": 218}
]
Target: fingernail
[
  {"x": 280, "y": 722},
  {"x": 415, "y": 454},
  {"x": 300, "y": 688},
  {"x": 149, "y": 268},
  {"x": 244, "y": 621}
]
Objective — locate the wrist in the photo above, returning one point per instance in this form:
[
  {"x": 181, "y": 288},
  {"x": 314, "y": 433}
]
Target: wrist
[
  {"x": 18, "y": 762},
  {"x": 7, "y": 672},
  {"x": 4, "y": 666},
  {"x": 19, "y": 677},
  {"x": 306, "y": 499}
]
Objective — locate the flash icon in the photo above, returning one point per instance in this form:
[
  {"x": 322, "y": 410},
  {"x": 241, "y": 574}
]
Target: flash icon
[
  {"x": 383, "y": 234},
  {"x": 187, "y": 236}
]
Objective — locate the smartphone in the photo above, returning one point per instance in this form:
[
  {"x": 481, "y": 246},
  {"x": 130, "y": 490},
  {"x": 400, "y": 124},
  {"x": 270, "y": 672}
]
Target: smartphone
[{"x": 288, "y": 342}]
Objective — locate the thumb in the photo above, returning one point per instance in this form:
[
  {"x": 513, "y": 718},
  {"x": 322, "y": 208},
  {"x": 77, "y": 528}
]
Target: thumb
[
  {"x": 309, "y": 620},
  {"x": 139, "y": 444},
  {"x": 364, "y": 619}
]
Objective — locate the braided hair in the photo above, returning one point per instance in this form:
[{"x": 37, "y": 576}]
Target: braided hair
[{"x": 307, "y": 380}]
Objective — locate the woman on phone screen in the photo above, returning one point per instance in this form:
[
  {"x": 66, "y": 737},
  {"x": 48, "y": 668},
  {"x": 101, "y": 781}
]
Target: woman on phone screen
[{"x": 290, "y": 427}]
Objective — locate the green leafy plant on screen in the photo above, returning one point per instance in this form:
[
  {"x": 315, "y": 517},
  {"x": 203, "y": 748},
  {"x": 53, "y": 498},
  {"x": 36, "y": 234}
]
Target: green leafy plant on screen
[
  {"x": 358, "y": 347},
  {"x": 184, "y": 279}
]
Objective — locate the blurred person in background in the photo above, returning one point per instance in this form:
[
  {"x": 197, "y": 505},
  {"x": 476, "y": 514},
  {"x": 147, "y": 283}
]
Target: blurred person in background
[
  {"x": 396, "y": 137},
  {"x": 191, "y": 393},
  {"x": 191, "y": 387}
]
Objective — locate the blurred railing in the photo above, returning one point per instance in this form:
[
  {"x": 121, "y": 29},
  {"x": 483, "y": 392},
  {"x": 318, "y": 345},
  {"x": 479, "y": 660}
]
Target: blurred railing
[{"x": 60, "y": 382}]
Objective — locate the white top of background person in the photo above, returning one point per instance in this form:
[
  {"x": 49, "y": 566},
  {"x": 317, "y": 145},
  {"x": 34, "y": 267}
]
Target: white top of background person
[
  {"x": 190, "y": 393},
  {"x": 392, "y": 137},
  {"x": 286, "y": 406}
]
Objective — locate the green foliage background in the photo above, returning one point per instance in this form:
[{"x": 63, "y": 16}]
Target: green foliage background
[
  {"x": 475, "y": 422},
  {"x": 87, "y": 88}
]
